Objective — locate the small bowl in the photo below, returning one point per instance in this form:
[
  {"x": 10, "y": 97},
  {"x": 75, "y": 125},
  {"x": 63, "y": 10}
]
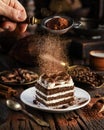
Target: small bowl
[
  {"x": 51, "y": 24},
  {"x": 97, "y": 59}
]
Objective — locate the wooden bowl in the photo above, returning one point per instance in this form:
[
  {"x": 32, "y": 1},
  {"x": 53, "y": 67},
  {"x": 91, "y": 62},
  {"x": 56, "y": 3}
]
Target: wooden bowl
[{"x": 97, "y": 59}]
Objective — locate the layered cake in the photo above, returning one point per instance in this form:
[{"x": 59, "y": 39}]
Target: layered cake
[{"x": 55, "y": 90}]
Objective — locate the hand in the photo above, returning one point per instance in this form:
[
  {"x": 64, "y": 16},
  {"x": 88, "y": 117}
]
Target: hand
[{"x": 14, "y": 11}]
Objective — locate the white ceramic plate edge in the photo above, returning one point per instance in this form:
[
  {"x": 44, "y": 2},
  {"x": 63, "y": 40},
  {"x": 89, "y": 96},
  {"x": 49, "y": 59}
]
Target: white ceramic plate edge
[{"x": 28, "y": 95}]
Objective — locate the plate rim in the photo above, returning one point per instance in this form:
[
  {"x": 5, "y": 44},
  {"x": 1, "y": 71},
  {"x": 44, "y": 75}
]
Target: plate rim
[{"x": 50, "y": 109}]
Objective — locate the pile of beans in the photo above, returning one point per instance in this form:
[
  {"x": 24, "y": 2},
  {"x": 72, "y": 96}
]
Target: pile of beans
[
  {"x": 86, "y": 75},
  {"x": 18, "y": 75}
]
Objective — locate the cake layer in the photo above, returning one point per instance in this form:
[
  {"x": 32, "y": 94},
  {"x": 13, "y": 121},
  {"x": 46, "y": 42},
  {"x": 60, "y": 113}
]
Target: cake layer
[
  {"x": 55, "y": 96},
  {"x": 58, "y": 104},
  {"x": 55, "y": 81},
  {"x": 54, "y": 90}
]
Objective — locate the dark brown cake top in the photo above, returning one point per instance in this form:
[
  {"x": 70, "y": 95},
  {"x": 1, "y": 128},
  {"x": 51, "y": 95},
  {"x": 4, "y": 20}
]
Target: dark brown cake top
[{"x": 56, "y": 77}]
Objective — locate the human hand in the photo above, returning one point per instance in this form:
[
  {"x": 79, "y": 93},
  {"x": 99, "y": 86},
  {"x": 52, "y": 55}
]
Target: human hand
[{"x": 13, "y": 10}]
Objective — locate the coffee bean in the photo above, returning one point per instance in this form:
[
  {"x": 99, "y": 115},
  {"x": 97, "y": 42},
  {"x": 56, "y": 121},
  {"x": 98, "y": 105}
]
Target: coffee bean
[{"x": 86, "y": 75}]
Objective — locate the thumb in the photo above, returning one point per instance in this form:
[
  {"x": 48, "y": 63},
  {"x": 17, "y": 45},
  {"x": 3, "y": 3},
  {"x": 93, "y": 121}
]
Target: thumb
[{"x": 12, "y": 13}]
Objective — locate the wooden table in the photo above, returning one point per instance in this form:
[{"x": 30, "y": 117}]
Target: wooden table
[{"x": 84, "y": 118}]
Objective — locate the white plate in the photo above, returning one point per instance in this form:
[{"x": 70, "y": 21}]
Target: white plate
[{"x": 82, "y": 98}]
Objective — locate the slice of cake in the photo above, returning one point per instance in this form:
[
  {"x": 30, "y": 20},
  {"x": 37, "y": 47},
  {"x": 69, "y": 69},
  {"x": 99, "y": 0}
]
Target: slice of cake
[{"x": 55, "y": 90}]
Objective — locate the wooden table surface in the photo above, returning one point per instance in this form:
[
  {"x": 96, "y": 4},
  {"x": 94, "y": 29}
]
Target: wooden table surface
[{"x": 84, "y": 118}]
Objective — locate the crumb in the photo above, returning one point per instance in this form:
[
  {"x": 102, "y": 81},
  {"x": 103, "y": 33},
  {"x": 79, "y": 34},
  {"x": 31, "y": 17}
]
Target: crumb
[{"x": 35, "y": 102}]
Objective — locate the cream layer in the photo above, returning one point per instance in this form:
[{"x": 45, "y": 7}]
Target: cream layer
[
  {"x": 56, "y": 106},
  {"x": 56, "y": 94},
  {"x": 55, "y": 100},
  {"x": 52, "y": 85}
]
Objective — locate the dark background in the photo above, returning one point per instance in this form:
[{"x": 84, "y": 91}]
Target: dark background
[{"x": 96, "y": 7}]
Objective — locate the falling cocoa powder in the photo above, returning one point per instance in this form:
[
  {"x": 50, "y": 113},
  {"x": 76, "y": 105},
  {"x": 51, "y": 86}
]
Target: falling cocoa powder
[
  {"x": 55, "y": 49},
  {"x": 32, "y": 47}
]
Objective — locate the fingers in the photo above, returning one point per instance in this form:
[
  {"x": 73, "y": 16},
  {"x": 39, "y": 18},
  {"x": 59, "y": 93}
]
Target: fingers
[
  {"x": 9, "y": 26},
  {"x": 22, "y": 27},
  {"x": 15, "y": 12},
  {"x": 1, "y": 30}
]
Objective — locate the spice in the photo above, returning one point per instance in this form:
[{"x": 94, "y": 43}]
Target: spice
[
  {"x": 7, "y": 92},
  {"x": 57, "y": 23},
  {"x": 18, "y": 76},
  {"x": 98, "y": 105}
]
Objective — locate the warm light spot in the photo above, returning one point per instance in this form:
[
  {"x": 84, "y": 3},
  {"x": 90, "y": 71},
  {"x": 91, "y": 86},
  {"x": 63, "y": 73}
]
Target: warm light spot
[{"x": 63, "y": 64}]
